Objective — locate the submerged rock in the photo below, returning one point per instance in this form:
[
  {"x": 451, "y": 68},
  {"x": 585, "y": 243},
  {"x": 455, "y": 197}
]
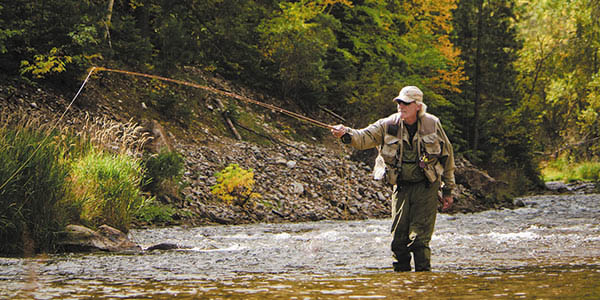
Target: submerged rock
[{"x": 163, "y": 246}]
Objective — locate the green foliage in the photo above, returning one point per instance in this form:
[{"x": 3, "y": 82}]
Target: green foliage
[
  {"x": 6, "y": 34},
  {"x": 589, "y": 171},
  {"x": 234, "y": 185},
  {"x": 166, "y": 166},
  {"x": 108, "y": 188},
  {"x": 558, "y": 74},
  {"x": 565, "y": 169},
  {"x": 130, "y": 44},
  {"x": 226, "y": 37},
  {"x": 48, "y": 36},
  {"x": 296, "y": 41},
  {"x": 487, "y": 38},
  {"x": 352, "y": 57},
  {"x": 176, "y": 48},
  {"x": 45, "y": 64},
  {"x": 31, "y": 208},
  {"x": 490, "y": 129},
  {"x": 155, "y": 212}
]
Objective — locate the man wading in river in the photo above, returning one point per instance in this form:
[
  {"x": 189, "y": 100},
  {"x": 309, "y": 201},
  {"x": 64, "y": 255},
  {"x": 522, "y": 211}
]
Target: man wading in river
[{"x": 415, "y": 156}]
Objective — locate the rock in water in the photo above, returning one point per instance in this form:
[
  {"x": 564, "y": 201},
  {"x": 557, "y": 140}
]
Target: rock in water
[{"x": 163, "y": 246}]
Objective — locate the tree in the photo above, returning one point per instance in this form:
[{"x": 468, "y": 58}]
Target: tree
[
  {"x": 559, "y": 74},
  {"x": 384, "y": 45},
  {"x": 41, "y": 30},
  {"x": 295, "y": 41},
  {"x": 486, "y": 34}
]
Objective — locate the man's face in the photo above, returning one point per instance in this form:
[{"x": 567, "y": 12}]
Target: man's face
[{"x": 408, "y": 110}]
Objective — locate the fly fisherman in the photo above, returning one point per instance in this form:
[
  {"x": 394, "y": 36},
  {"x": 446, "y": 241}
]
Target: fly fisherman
[{"x": 416, "y": 158}]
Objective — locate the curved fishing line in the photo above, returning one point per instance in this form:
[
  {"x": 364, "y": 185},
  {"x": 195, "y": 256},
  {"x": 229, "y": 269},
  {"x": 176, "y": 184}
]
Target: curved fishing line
[
  {"x": 217, "y": 91},
  {"x": 48, "y": 134}
]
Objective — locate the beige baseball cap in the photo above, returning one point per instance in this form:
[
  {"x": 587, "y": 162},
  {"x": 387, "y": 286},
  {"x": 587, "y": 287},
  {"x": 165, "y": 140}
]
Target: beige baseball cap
[{"x": 409, "y": 94}]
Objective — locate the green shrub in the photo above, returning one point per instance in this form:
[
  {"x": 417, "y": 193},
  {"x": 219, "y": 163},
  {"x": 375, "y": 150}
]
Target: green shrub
[
  {"x": 589, "y": 171},
  {"x": 108, "y": 188},
  {"x": 46, "y": 64},
  {"x": 160, "y": 168},
  {"x": 234, "y": 185},
  {"x": 155, "y": 212},
  {"x": 565, "y": 170},
  {"x": 31, "y": 209}
]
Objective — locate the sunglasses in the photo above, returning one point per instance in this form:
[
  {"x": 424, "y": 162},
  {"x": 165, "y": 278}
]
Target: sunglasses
[{"x": 404, "y": 103}]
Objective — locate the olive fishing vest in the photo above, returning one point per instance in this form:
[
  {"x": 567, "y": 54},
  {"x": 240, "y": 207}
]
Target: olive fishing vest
[{"x": 421, "y": 162}]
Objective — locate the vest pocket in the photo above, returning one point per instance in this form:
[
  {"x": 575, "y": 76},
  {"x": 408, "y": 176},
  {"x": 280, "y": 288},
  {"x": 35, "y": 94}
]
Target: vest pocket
[
  {"x": 432, "y": 144},
  {"x": 390, "y": 148},
  {"x": 433, "y": 149},
  {"x": 386, "y": 165}
]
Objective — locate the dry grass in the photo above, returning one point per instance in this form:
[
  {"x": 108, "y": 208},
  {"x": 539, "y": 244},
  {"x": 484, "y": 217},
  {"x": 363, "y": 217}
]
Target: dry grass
[
  {"x": 124, "y": 138},
  {"x": 117, "y": 137}
]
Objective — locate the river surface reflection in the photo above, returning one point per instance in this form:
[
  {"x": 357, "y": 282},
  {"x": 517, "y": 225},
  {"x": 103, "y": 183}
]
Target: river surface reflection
[{"x": 549, "y": 249}]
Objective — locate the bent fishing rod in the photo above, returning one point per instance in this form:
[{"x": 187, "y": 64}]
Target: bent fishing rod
[{"x": 217, "y": 91}]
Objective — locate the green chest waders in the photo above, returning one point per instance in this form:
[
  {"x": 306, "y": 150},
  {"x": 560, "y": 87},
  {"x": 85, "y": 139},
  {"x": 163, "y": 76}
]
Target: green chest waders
[{"x": 414, "y": 209}]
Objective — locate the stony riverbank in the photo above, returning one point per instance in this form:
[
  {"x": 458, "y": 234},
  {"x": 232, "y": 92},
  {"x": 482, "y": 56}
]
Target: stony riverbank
[{"x": 308, "y": 182}]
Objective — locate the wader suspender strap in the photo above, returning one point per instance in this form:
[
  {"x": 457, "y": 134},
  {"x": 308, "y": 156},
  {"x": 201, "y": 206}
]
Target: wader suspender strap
[
  {"x": 398, "y": 212},
  {"x": 399, "y": 153},
  {"x": 419, "y": 138}
]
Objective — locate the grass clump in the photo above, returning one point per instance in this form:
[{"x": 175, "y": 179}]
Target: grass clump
[
  {"x": 153, "y": 211},
  {"x": 33, "y": 187},
  {"x": 589, "y": 171},
  {"x": 108, "y": 188},
  {"x": 235, "y": 185},
  {"x": 162, "y": 170}
]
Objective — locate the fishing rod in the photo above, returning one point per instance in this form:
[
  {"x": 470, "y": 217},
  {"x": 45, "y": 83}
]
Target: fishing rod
[{"x": 217, "y": 91}]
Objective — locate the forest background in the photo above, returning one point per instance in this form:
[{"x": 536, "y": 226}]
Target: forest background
[
  {"x": 512, "y": 80},
  {"x": 516, "y": 83}
]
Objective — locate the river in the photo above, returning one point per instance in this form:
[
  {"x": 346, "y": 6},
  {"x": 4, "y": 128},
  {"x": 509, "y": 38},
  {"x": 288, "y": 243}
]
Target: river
[{"x": 549, "y": 249}]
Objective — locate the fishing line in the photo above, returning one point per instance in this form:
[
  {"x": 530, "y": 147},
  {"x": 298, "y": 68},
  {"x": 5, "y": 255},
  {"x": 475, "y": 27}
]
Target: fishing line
[{"x": 48, "y": 135}]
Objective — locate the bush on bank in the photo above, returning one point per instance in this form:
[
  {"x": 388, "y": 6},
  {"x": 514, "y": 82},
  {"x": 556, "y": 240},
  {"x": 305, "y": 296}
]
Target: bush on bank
[{"x": 162, "y": 170}]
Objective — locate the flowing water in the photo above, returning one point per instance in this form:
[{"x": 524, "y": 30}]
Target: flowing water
[{"x": 549, "y": 249}]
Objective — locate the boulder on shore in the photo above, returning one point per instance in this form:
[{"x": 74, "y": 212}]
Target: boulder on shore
[{"x": 82, "y": 239}]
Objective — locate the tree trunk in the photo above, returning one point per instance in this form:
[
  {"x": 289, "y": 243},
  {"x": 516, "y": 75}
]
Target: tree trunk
[
  {"x": 108, "y": 19},
  {"x": 477, "y": 102}
]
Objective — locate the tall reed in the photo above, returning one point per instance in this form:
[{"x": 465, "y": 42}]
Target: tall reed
[{"x": 33, "y": 185}]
